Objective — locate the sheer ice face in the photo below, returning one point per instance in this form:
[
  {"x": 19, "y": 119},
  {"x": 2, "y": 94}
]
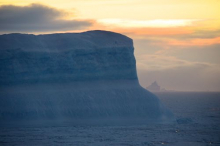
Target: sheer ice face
[{"x": 80, "y": 78}]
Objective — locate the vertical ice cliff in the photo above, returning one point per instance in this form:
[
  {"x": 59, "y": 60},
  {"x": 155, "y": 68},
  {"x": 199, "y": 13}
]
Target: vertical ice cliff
[{"x": 78, "y": 78}]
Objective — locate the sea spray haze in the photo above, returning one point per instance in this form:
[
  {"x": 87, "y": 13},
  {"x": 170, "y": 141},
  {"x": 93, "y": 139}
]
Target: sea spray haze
[{"x": 73, "y": 78}]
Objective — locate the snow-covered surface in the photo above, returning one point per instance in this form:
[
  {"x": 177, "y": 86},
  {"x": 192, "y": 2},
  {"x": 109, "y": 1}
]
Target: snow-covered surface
[
  {"x": 93, "y": 55},
  {"x": 78, "y": 79},
  {"x": 65, "y": 41},
  {"x": 198, "y": 115}
]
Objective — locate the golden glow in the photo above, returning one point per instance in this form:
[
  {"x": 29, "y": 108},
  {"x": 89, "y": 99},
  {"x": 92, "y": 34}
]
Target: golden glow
[
  {"x": 195, "y": 42},
  {"x": 134, "y": 9},
  {"x": 147, "y": 23},
  {"x": 153, "y": 32}
]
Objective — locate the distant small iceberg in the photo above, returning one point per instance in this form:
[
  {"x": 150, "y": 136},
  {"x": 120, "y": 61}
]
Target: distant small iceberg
[{"x": 154, "y": 87}]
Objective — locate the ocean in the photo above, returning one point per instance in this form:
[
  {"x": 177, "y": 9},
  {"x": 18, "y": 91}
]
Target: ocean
[{"x": 197, "y": 124}]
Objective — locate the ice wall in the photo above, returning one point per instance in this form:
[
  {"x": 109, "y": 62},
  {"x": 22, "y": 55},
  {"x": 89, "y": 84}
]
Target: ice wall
[{"x": 77, "y": 78}]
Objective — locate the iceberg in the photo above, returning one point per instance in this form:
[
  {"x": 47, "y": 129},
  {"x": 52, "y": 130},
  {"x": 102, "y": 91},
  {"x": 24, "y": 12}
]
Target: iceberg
[
  {"x": 154, "y": 87},
  {"x": 75, "y": 78}
]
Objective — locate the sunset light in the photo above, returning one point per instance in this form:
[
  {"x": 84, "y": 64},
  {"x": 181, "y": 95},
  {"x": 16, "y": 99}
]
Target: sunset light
[
  {"x": 110, "y": 72},
  {"x": 158, "y": 23}
]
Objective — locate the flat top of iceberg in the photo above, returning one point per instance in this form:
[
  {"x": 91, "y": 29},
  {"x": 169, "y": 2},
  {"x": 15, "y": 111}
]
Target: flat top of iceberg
[{"x": 64, "y": 41}]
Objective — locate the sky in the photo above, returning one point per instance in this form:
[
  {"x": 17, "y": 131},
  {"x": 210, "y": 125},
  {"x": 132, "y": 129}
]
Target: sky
[{"x": 177, "y": 42}]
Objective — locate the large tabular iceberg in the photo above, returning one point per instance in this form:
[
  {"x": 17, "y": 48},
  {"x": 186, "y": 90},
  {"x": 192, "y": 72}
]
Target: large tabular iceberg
[{"x": 76, "y": 78}]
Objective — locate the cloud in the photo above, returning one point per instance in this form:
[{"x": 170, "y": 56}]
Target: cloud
[
  {"x": 37, "y": 18},
  {"x": 169, "y": 33},
  {"x": 195, "y": 42},
  {"x": 184, "y": 68},
  {"x": 163, "y": 62},
  {"x": 183, "y": 78},
  {"x": 156, "y": 23},
  {"x": 201, "y": 34},
  {"x": 195, "y": 53},
  {"x": 174, "y": 73}
]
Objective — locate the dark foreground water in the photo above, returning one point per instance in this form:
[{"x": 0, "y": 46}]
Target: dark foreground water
[{"x": 198, "y": 124}]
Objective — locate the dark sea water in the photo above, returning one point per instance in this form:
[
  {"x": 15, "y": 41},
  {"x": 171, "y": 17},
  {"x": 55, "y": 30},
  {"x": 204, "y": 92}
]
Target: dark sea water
[
  {"x": 201, "y": 107},
  {"x": 197, "y": 124}
]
